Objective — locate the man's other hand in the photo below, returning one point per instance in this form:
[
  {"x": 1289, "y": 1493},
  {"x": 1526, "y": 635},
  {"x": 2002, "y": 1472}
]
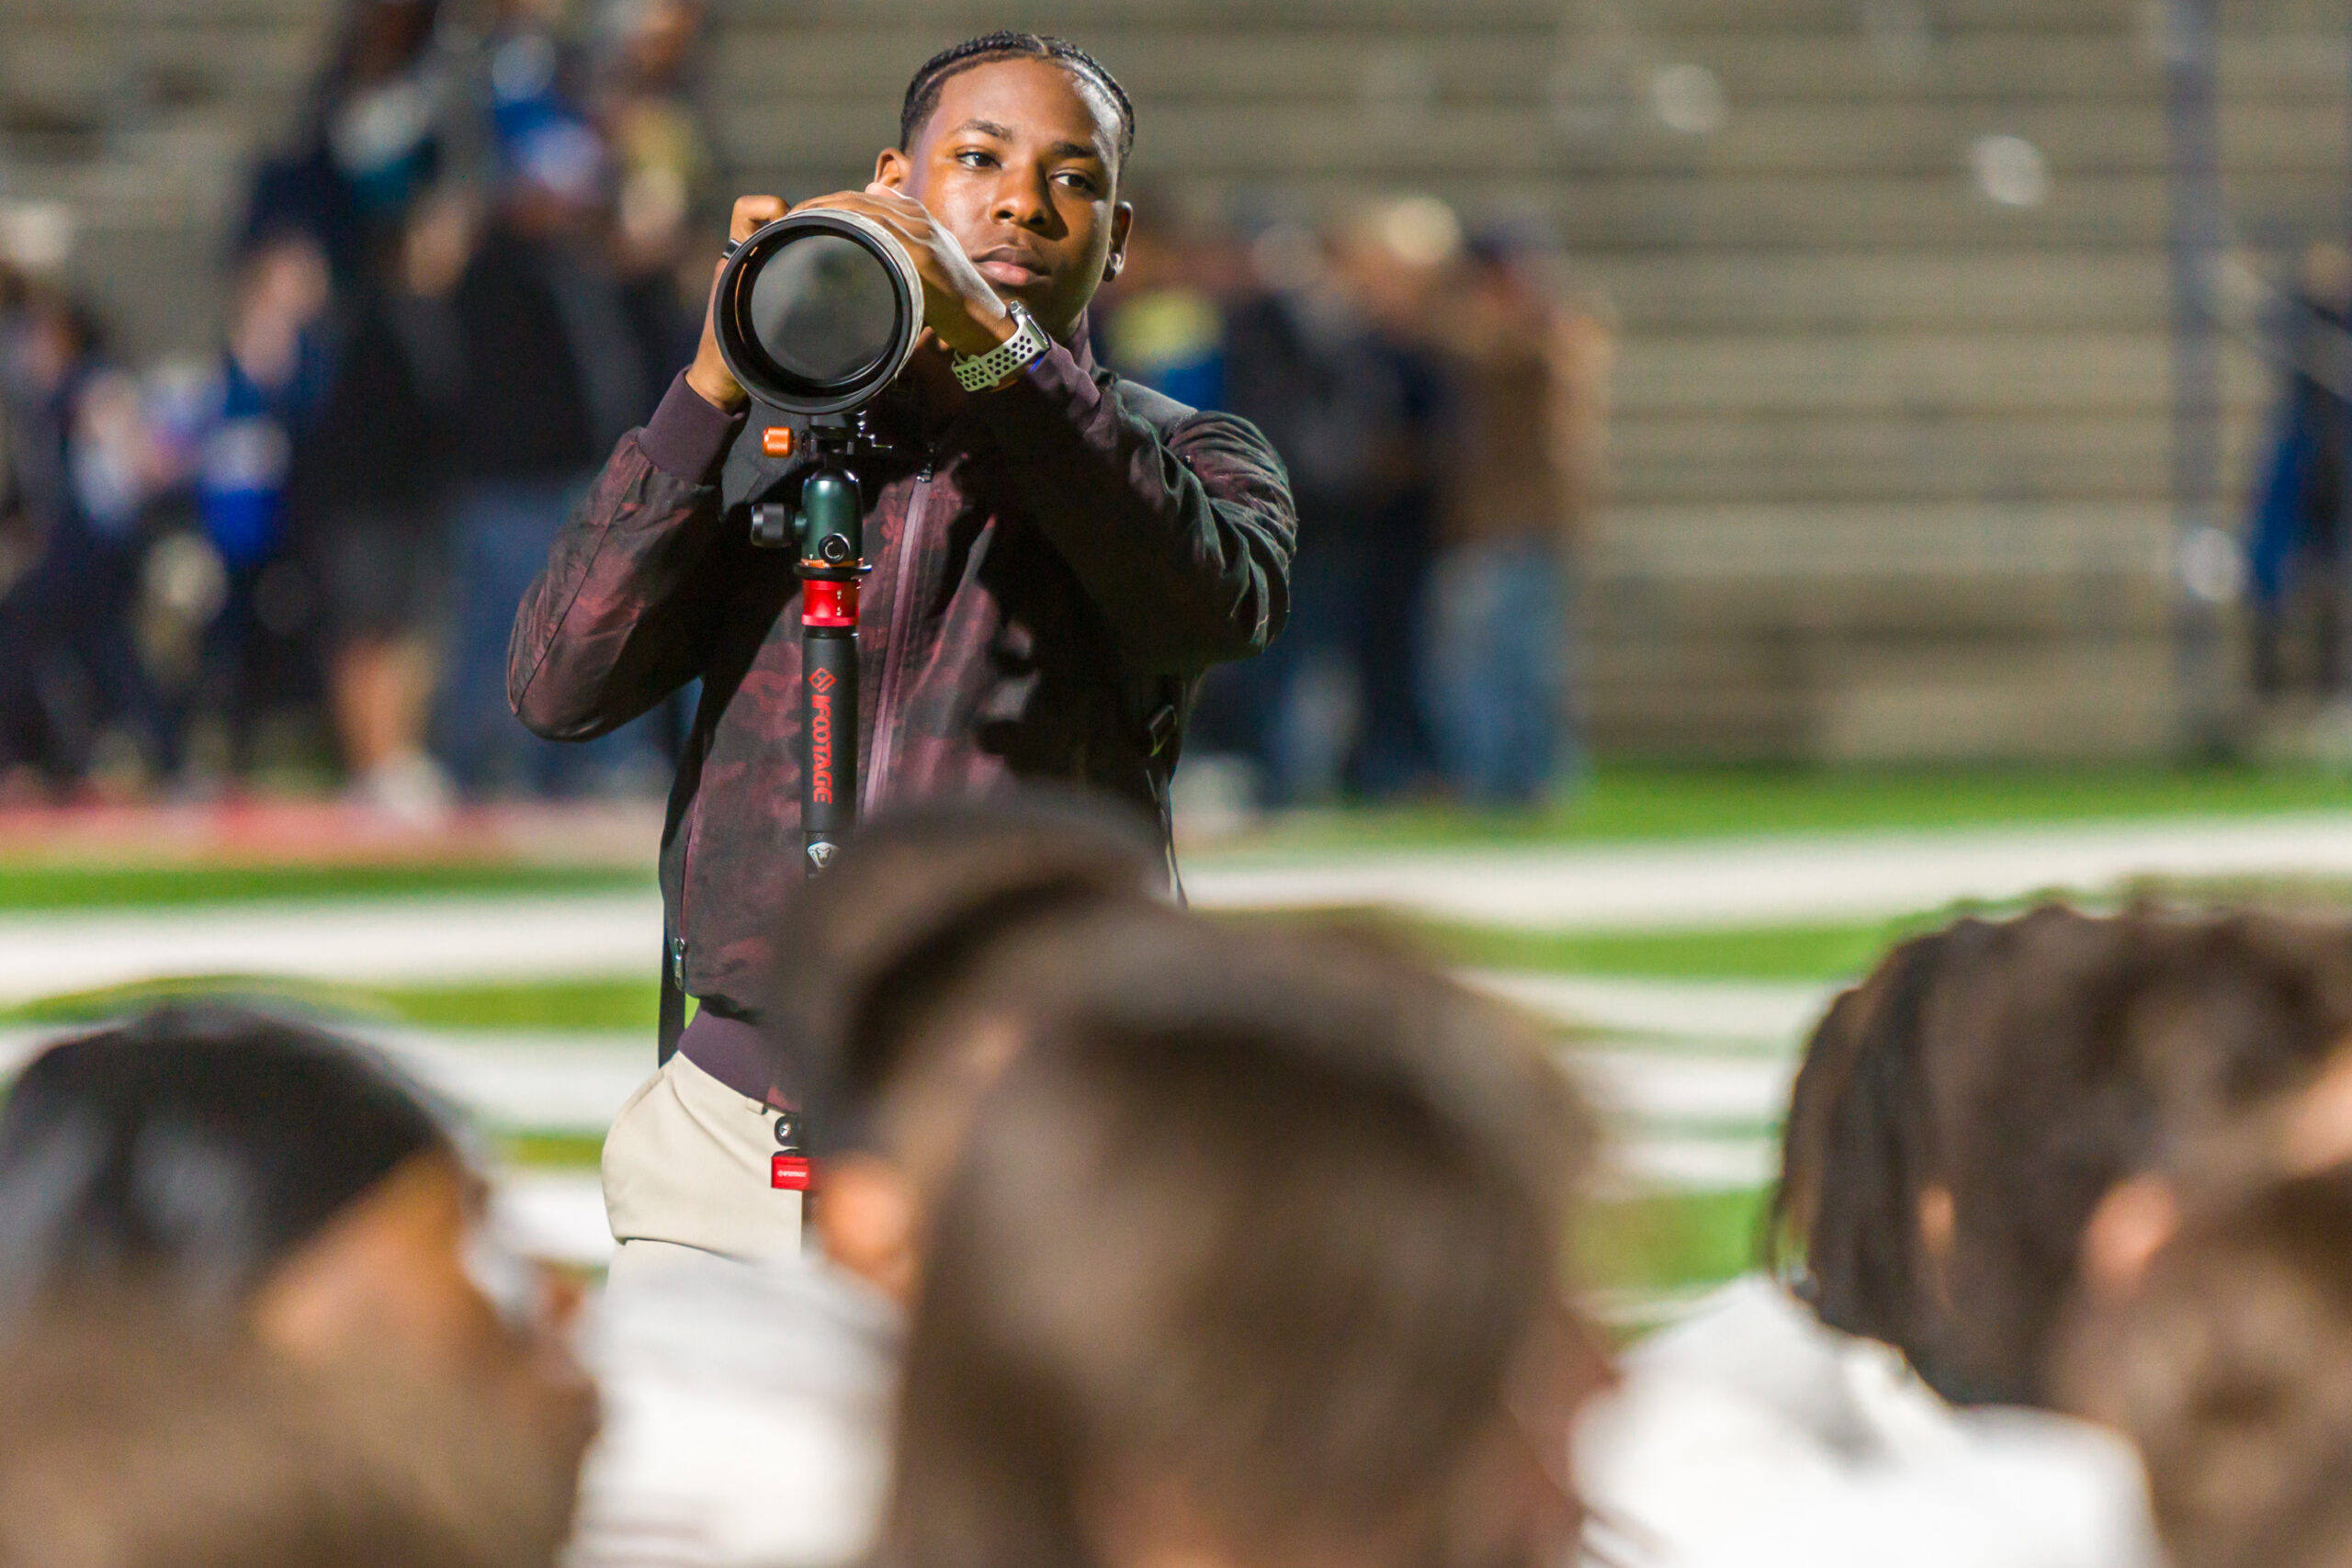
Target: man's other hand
[{"x": 708, "y": 374}]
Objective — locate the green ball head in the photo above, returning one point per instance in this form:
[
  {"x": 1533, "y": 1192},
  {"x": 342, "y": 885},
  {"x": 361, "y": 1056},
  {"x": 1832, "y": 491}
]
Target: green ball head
[{"x": 833, "y": 528}]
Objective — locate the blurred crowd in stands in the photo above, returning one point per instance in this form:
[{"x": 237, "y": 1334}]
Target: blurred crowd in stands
[
  {"x": 455, "y": 287},
  {"x": 1138, "y": 1239},
  {"x": 481, "y": 260},
  {"x": 1440, "y": 401}
]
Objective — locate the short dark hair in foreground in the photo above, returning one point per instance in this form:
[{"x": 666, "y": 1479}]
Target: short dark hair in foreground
[
  {"x": 2024, "y": 1069},
  {"x": 915, "y": 904},
  {"x": 191, "y": 1150},
  {"x": 1262, "y": 1245}
]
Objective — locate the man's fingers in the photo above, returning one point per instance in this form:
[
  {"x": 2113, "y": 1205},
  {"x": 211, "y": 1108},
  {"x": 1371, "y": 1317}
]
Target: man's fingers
[
  {"x": 752, "y": 213},
  {"x": 904, "y": 225}
]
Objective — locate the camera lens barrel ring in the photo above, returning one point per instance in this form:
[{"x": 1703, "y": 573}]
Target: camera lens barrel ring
[{"x": 756, "y": 324}]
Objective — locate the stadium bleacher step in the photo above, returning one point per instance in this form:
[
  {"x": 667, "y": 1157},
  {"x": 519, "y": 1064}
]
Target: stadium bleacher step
[{"x": 1860, "y": 401}]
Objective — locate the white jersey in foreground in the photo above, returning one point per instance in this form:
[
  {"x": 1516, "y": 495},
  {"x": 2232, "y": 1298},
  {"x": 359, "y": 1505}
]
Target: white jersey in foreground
[
  {"x": 1749, "y": 1435},
  {"x": 746, "y": 1417}
]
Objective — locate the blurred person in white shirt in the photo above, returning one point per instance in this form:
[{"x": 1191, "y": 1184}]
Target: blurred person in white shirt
[{"x": 1966, "y": 1124}]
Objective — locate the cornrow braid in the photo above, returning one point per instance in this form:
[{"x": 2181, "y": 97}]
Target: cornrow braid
[{"x": 922, "y": 92}]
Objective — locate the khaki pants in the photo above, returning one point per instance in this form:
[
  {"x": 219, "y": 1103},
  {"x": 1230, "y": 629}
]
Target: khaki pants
[{"x": 687, "y": 1164}]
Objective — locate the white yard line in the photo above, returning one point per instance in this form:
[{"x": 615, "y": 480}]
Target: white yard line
[
  {"x": 1758, "y": 1013},
  {"x": 391, "y": 941},
  {"x": 1693, "y": 1164},
  {"x": 1783, "y": 878},
  {"x": 1631, "y": 1085},
  {"x": 1724, "y": 883},
  {"x": 557, "y": 1214}
]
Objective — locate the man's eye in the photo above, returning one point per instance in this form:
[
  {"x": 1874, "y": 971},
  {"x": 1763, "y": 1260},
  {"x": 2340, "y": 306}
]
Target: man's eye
[
  {"x": 973, "y": 158},
  {"x": 1077, "y": 181}
]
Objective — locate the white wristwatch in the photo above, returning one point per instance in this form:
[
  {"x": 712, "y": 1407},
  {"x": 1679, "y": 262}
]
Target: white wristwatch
[{"x": 979, "y": 372}]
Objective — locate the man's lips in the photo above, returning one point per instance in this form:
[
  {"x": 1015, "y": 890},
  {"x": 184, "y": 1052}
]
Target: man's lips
[{"x": 1014, "y": 268}]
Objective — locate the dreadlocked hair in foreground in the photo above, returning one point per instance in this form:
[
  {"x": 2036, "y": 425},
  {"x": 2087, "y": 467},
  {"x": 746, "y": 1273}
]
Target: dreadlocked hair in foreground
[{"x": 922, "y": 92}]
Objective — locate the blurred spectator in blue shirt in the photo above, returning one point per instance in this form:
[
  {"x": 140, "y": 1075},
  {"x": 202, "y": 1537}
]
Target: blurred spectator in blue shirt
[
  {"x": 2295, "y": 537},
  {"x": 237, "y": 438},
  {"x": 70, "y": 669}
]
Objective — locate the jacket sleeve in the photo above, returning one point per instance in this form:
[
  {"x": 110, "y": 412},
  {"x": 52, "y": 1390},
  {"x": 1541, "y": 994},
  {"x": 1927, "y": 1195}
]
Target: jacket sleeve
[
  {"x": 1183, "y": 541},
  {"x": 621, "y": 614}
]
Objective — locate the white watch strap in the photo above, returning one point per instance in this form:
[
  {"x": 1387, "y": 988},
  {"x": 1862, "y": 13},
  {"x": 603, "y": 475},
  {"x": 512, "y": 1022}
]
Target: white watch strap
[{"x": 978, "y": 373}]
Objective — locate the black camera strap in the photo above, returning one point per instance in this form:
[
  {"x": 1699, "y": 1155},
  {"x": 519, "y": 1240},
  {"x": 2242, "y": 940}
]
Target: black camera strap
[{"x": 674, "y": 995}]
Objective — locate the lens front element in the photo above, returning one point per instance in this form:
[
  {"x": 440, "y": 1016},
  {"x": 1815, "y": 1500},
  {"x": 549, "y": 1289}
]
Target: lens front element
[
  {"x": 824, "y": 308},
  {"x": 818, "y": 312}
]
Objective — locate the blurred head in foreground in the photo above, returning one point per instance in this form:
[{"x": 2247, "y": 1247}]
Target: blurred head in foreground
[
  {"x": 1258, "y": 1262},
  {"x": 253, "y": 1178},
  {"x": 128, "y": 1442},
  {"x": 883, "y": 1040},
  {"x": 2230, "y": 1365},
  {"x": 1996, "y": 1108}
]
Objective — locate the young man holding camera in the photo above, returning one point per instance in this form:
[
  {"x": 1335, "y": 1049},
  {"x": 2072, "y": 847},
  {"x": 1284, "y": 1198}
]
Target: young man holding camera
[{"x": 1058, "y": 558}]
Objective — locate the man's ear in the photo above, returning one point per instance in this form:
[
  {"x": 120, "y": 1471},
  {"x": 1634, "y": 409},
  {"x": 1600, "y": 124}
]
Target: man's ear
[
  {"x": 1122, "y": 221},
  {"x": 892, "y": 168},
  {"x": 1939, "y": 1217},
  {"x": 2132, "y": 1222},
  {"x": 867, "y": 1218}
]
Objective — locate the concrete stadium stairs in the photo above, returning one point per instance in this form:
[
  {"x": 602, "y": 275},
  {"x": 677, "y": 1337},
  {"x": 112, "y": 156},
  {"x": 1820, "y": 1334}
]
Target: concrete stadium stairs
[{"x": 1891, "y": 456}]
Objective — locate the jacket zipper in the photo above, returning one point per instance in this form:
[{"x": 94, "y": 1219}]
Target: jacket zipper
[{"x": 894, "y": 657}]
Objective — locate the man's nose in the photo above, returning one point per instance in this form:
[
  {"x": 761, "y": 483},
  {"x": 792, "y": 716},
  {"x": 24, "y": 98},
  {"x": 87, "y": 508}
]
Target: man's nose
[{"x": 1022, "y": 200}]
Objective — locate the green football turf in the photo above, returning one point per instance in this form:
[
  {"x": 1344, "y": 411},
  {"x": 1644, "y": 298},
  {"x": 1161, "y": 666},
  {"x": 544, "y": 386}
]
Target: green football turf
[
  {"x": 131, "y": 886},
  {"x": 1665, "y": 1241},
  {"x": 603, "y": 1005},
  {"x": 1830, "y": 952},
  {"x": 552, "y": 1151},
  {"x": 1624, "y": 802},
  {"x": 1769, "y": 953},
  {"x": 1635, "y": 802}
]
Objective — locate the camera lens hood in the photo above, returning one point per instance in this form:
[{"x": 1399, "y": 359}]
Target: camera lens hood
[{"x": 818, "y": 311}]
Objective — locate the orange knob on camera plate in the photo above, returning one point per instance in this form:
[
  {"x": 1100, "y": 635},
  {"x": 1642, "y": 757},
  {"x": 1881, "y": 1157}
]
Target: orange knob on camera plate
[{"x": 776, "y": 441}]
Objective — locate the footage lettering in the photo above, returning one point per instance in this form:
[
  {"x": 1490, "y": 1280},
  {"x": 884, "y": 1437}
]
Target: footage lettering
[{"x": 820, "y": 745}]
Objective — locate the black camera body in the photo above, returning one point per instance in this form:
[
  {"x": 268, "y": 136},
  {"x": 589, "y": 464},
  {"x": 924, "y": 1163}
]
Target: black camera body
[{"x": 815, "y": 314}]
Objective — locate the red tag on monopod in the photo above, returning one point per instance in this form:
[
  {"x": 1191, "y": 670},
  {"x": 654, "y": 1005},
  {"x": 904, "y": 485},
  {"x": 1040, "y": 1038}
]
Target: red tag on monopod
[{"x": 788, "y": 1173}]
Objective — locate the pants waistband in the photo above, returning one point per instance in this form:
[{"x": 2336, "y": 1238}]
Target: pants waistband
[{"x": 734, "y": 1051}]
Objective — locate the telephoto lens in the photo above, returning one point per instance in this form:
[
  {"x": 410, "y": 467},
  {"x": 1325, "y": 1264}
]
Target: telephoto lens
[{"x": 818, "y": 311}]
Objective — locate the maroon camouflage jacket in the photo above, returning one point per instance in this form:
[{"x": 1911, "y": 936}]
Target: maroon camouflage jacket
[{"x": 1052, "y": 572}]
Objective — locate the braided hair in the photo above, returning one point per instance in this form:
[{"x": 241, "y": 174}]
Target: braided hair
[{"x": 922, "y": 92}]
